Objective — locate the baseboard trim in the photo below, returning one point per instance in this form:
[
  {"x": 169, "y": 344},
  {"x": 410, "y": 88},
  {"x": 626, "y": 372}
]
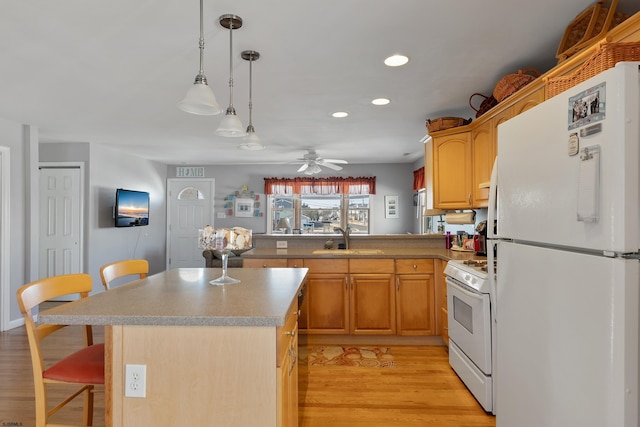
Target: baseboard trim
[{"x": 369, "y": 340}]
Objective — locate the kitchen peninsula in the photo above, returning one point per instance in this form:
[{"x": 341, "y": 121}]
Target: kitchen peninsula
[{"x": 214, "y": 355}]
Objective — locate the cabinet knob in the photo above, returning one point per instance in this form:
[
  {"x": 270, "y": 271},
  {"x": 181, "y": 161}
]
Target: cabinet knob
[
  {"x": 415, "y": 267},
  {"x": 264, "y": 265},
  {"x": 292, "y": 333}
]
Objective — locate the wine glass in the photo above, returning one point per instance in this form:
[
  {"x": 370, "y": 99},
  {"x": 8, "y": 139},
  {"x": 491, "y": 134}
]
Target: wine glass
[{"x": 224, "y": 251}]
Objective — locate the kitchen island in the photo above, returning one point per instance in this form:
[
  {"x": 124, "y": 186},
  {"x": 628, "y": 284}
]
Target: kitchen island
[{"x": 214, "y": 355}]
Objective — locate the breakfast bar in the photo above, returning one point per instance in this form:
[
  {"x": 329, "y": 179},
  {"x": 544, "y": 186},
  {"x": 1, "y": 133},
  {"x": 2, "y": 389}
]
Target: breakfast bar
[{"x": 213, "y": 355}]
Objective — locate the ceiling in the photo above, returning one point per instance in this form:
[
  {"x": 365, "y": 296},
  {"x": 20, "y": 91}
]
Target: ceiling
[{"x": 112, "y": 72}]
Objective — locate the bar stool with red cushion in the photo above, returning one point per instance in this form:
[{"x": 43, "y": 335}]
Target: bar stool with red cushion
[
  {"x": 128, "y": 267},
  {"x": 84, "y": 367}
]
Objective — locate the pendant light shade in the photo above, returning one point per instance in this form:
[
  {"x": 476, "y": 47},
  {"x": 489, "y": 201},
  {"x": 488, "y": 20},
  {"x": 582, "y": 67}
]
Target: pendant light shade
[
  {"x": 200, "y": 98},
  {"x": 230, "y": 125},
  {"x": 251, "y": 141}
]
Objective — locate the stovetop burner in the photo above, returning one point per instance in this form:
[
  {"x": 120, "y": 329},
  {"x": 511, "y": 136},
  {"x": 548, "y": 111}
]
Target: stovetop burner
[{"x": 473, "y": 273}]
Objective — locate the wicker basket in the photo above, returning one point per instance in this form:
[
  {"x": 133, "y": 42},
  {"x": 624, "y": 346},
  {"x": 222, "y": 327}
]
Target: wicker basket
[
  {"x": 511, "y": 83},
  {"x": 444, "y": 123},
  {"x": 606, "y": 57},
  {"x": 487, "y": 103},
  {"x": 592, "y": 23}
]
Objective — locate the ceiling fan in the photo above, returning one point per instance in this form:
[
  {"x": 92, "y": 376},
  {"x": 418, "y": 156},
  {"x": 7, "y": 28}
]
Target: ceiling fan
[{"x": 311, "y": 163}]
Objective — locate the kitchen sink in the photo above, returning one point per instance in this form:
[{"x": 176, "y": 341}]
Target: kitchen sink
[{"x": 347, "y": 252}]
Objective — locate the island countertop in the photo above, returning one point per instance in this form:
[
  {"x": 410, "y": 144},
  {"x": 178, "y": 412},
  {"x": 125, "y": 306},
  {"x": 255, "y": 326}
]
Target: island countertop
[{"x": 184, "y": 297}]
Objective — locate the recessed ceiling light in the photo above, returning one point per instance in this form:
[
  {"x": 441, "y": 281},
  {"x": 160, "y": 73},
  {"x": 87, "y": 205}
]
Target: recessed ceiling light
[
  {"x": 380, "y": 101},
  {"x": 396, "y": 60},
  {"x": 340, "y": 114}
]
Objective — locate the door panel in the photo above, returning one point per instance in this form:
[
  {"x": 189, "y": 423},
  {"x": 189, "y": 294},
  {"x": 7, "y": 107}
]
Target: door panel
[
  {"x": 60, "y": 221},
  {"x": 190, "y": 208}
]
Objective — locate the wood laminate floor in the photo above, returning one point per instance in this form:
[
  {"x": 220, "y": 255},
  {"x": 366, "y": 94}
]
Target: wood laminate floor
[{"x": 421, "y": 391}]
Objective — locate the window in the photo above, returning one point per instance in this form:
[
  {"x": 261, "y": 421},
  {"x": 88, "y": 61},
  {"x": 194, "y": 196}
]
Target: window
[
  {"x": 319, "y": 214},
  {"x": 319, "y": 205}
]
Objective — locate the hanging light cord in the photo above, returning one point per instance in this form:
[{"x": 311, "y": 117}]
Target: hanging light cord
[
  {"x": 201, "y": 44},
  {"x": 230, "y": 67},
  {"x": 250, "y": 92}
]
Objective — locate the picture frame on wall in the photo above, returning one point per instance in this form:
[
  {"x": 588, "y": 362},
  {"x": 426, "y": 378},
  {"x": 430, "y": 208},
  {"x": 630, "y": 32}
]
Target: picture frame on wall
[
  {"x": 391, "y": 206},
  {"x": 243, "y": 207}
]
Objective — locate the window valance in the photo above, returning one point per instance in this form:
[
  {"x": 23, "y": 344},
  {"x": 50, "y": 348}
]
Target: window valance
[
  {"x": 320, "y": 186},
  {"x": 418, "y": 179}
]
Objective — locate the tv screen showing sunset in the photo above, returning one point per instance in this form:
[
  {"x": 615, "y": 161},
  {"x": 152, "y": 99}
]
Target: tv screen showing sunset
[{"x": 132, "y": 208}]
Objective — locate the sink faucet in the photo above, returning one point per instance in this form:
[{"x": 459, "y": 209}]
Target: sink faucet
[{"x": 345, "y": 235}]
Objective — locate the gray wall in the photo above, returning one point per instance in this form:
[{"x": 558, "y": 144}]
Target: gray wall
[
  {"x": 107, "y": 169},
  {"x": 391, "y": 180}
]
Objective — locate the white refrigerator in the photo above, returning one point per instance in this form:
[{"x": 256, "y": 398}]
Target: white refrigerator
[{"x": 567, "y": 269}]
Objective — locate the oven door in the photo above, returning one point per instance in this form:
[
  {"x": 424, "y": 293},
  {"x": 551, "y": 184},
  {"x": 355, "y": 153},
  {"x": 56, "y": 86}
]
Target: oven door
[{"x": 470, "y": 323}]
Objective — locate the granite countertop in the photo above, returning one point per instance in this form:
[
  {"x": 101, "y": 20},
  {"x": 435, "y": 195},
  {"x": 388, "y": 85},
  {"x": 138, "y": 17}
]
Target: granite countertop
[
  {"x": 184, "y": 297},
  {"x": 398, "y": 253}
]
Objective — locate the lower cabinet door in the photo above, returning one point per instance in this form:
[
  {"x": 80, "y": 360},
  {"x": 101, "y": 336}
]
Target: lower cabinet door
[
  {"x": 327, "y": 300},
  {"x": 373, "y": 307},
  {"x": 414, "y": 304}
]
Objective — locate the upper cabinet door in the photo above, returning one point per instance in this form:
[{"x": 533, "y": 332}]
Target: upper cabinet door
[{"x": 452, "y": 171}]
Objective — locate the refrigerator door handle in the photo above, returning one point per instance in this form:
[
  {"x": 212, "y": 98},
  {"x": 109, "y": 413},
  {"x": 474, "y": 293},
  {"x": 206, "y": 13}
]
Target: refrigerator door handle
[{"x": 493, "y": 202}]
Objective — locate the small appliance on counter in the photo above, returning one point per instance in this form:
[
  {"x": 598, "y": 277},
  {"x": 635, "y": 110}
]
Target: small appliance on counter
[{"x": 480, "y": 239}]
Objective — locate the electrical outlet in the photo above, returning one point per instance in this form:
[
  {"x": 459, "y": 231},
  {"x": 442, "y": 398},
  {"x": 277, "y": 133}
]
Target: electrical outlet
[
  {"x": 221, "y": 215},
  {"x": 281, "y": 244},
  {"x": 135, "y": 384}
]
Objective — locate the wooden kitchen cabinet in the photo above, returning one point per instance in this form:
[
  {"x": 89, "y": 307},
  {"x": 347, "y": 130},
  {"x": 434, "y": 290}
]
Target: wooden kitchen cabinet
[
  {"x": 372, "y": 305},
  {"x": 287, "y": 371},
  {"x": 463, "y": 157},
  {"x": 415, "y": 293},
  {"x": 442, "y": 319},
  {"x": 327, "y": 298},
  {"x": 484, "y": 153},
  {"x": 264, "y": 262},
  {"x": 452, "y": 170}
]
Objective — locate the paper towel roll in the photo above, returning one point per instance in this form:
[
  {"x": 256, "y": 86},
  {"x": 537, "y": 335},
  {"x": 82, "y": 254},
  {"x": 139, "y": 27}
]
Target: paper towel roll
[{"x": 460, "y": 218}]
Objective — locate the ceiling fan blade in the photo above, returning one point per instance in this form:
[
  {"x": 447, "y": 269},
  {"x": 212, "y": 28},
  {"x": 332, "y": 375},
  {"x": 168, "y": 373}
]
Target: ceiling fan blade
[
  {"x": 342, "y": 162},
  {"x": 303, "y": 167},
  {"x": 331, "y": 166}
]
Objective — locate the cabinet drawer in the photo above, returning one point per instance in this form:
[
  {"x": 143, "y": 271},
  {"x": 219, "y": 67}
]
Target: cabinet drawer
[
  {"x": 264, "y": 262},
  {"x": 417, "y": 265},
  {"x": 287, "y": 333},
  {"x": 338, "y": 265},
  {"x": 370, "y": 265}
]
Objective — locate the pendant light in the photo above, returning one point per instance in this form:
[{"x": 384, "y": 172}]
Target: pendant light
[
  {"x": 251, "y": 141},
  {"x": 230, "y": 124},
  {"x": 200, "y": 98}
]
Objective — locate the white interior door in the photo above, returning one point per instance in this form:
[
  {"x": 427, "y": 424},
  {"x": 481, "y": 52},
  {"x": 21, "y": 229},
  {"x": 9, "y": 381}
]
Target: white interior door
[
  {"x": 60, "y": 221},
  {"x": 190, "y": 208}
]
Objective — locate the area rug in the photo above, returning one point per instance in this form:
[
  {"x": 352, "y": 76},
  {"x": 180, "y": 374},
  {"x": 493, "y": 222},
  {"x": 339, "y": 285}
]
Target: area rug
[{"x": 370, "y": 357}]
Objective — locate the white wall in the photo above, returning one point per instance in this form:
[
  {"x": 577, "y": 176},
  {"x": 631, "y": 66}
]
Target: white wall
[
  {"x": 16, "y": 138},
  {"x": 391, "y": 180}
]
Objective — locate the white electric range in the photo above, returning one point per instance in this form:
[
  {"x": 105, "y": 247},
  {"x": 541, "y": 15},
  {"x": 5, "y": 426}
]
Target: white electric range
[{"x": 471, "y": 327}]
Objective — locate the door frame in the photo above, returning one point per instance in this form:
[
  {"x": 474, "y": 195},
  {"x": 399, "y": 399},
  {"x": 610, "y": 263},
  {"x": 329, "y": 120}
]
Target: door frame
[
  {"x": 66, "y": 165},
  {"x": 5, "y": 201},
  {"x": 169, "y": 206}
]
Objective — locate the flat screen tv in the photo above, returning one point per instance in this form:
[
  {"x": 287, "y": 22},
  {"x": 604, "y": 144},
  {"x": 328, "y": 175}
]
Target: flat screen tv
[{"x": 132, "y": 208}]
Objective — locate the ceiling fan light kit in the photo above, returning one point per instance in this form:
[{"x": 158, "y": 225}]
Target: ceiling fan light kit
[
  {"x": 200, "y": 98},
  {"x": 230, "y": 125},
  {"x": 312, "y": 162}
]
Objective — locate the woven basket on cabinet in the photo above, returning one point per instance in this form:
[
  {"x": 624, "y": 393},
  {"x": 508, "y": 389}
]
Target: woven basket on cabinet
[
  {"x": 444, "y": 123},
  {"x": 511, "y": 83},
  {"x": 608, "y": 55}
]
